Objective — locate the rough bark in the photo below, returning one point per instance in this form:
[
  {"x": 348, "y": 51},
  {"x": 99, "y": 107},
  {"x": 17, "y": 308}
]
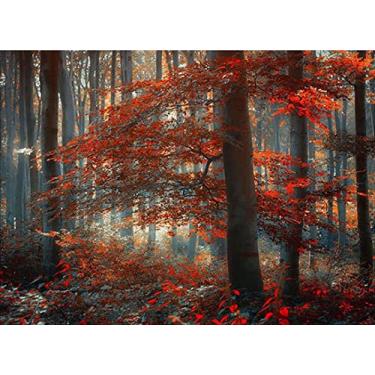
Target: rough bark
[
  {"x": 49, "y": 71},
  {"x": 243, "y": 256},
  {"x": 363, "y": 215},
  {"x": 298, "y": 151}
]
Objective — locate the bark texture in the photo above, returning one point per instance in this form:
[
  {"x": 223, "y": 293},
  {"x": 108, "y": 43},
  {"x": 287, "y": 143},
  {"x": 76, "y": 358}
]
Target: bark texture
[{"x": 243, "y": 257}]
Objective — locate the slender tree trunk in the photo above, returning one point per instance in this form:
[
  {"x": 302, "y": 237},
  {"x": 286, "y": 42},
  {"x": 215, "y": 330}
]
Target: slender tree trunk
[
  {"x": 30, "y": 118},
  {"x": 93, "y": 81},
  {"x": 2, "y": 164},
  {"x": 219, "y": 245},
  {"x": 174, "y": 241},
  {"x": 298, "y": 151},
  {"x": 331, "y": 171},
  {"x": 313, "y": 229},
  {"x": 69, "y": 117},
  {"x": 127, "y": 78},
  {"x": 113, "y": 77},
  {"x": 10, "y": 81},
  {"x": 259, "y": 138},
  {"x": 49, "y": 72},
  {"x": 243, "y": 257},
  {"x": 365, "y": 241},
  {"x": 22, "y": 158},
  {"x": 340, "y": 172},
  {"x": 68, "y": 103},
  {"x": 276, "y": 127},
  {"x": 113, "y": 102},
  {"x": 151, "y": 238}
]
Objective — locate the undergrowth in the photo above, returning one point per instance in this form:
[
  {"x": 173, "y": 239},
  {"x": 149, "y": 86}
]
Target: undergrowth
[{"x": 99, "y": 282}]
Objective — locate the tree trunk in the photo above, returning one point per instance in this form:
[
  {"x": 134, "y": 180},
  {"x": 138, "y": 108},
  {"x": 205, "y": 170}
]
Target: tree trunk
[
  {"x": 30, "y": 118},
  {"x": 313, "y": 229},
  {"x": 10, "y": 81},
  {"x": 93, "y": 81},
  {"x": 151, "y": 238},
  {"x": 67, "y": 102},
  {"x": 365, "y": 241},
  {"x": 243, "y": 257},
  {"x": 219, "y": 245},
  {"x": 127, "y": 78},
  {"x": 49, "y": 72},
  {"x": 298, "y": 151},
  {"x": 331, "y": 171},
  {"x": 22, "y": 157},
  {"x": 340, "y": 172},
  {"x": 69, "y": 117}
]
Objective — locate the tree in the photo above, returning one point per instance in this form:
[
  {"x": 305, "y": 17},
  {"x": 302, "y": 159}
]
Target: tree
[
  {"x": 67, "y": 101},
  {"x": 127, "y": 78},
  {"x": 49, "y": 73},
  {"x": 151, "y": 239},
  {"x": 10, "y": 102},
  {"x": 298, "y": 151},
  {"x": 242, "y": 246},
  {"x": 365, "y": 241}
]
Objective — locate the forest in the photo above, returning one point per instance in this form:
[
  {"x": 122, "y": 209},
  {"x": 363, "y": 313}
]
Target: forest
[{"x": 189, "y": 187}]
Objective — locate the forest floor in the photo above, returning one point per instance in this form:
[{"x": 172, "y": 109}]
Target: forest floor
[{"x": 99, "y": 283}]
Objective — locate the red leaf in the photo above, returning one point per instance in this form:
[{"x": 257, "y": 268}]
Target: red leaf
[
  {"x": 233, "y": 308},
  {"x": 268, "y": 315},
  {"x": 152, "y": 301},
  {"x": 198, "y": 317},
  {"x": 284, "y": 312},
  {"x": 224, "y": 319},
  {"x": 236, "y": 292}
]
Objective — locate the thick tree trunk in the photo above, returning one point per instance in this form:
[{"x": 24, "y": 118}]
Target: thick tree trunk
[
  {"x": 298, "y": 151},
  {"x": 49, "y": 72},
  {"x": 243, "y": 257},
  {"x": 365, "y": 241}
]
